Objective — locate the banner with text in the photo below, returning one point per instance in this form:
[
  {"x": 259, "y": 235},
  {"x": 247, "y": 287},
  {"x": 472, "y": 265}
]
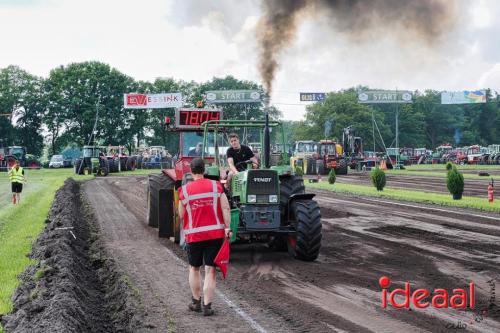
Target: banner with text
[
  {"x": 463, "y": 97},
  {"x": 152, "y": 101},
  {"x": 232, "y": 96},
  {"x": 385, "y": 96},
  {"x": 312, "y": 97}
]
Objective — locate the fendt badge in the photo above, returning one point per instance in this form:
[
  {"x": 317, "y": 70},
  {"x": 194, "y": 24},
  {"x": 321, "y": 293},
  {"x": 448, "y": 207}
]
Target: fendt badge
[{"x": 262, "y": 180}]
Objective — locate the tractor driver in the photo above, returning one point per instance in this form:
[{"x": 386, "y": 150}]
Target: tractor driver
[
  {"x": 236, "y": 154},
  {"x": 196, "y": 151}
]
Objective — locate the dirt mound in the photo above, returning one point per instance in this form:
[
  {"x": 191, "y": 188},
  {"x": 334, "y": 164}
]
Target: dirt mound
[{"x": 74, "y": 286}]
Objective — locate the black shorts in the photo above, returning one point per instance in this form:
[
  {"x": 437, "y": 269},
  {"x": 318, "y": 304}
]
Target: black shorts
[
  {"x": 203, "y": 252},
  {"x": 17, "y": 187}
]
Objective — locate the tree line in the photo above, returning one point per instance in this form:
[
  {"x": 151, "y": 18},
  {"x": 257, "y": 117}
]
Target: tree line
[{"x": 60, "y": 110}]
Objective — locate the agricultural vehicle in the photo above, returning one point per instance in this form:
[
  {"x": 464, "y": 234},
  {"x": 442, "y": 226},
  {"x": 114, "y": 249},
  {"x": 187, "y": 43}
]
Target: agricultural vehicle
[
  {"x": 442, "y": 154},
  {"x": 352, "y": 146},
  {"x": 304, "y": 156},
  {"x": 118, "y": 160},
  {"x": 330, "y": 156},
  {"x": 93, "y": 161},
  {"x": 9, "y": 155},
  {"x": 269, "y": 204},
  {"x": 494, "y": 154}
]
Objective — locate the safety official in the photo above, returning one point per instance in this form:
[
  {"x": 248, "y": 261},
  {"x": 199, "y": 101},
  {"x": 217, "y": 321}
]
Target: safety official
[
  {"x": 17, "y": 178},
  {"x": 206, "y": 219}
]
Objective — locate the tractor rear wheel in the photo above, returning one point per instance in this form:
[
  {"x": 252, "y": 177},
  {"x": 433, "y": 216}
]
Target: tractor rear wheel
[
  {"x": 305, "y": 245},
  {"x": 289, "y": 185},
  {"x": 157, "y": 182},
  {"x": 320, "y": 167},
  {"x": 131, "y": 163},
  {"x": 311, "y": 166},
  {"x": 78, "y": 164},
  {"x": 342, "y": 169}
]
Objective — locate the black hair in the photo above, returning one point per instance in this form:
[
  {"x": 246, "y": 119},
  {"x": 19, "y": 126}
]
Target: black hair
[{"x": 197, "y": 166}]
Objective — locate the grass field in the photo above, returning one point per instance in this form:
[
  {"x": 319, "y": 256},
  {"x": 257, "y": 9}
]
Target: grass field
[
  {"x": 414, "y": 196},
  {"x": 21, "y": 224}
]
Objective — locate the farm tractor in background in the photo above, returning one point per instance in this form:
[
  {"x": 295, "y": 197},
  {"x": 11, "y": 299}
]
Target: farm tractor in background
[
  {"x": 93, "y": 161},
  {"x": 442, "y": 154},
  {"x": 118, "y": 160},
  {"x": 330, "y": 155},
  {"x": 9, "y": 155},
  {"x": 353, "y": 147},
  {"x": 305, "y": 156},
  {"x": 268, "y": 204}
]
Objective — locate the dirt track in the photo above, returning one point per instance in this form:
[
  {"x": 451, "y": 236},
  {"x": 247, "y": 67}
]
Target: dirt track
[
  {"x": 473, "y": 187},
  {"x": 363, "y": 239}
]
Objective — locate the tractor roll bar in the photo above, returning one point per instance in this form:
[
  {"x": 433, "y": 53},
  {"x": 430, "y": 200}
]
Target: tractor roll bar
[{"x": 214, "y": 125}]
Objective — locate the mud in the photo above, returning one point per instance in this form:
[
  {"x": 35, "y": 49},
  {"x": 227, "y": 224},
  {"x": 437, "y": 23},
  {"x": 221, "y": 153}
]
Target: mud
[
  {"x": 363, "y": 239},
  {"x": 266, "y": 291},
  {"x": 74, "y": 286}
]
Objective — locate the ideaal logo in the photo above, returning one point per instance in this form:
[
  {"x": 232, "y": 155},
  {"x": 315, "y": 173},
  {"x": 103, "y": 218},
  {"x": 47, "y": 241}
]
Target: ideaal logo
[{"x": 440, "y": 298}]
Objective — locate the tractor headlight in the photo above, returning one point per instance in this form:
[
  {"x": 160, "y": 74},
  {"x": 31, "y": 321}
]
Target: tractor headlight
[
  {"x": 252, "y": 198},
  {"x": 273, "y": 198}
]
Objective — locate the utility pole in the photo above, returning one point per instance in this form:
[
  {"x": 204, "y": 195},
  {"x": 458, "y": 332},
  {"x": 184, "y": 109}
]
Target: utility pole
[{"x": 397, "y": 131}]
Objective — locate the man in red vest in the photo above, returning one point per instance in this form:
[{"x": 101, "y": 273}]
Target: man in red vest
[{"x": 206, "y": 218}]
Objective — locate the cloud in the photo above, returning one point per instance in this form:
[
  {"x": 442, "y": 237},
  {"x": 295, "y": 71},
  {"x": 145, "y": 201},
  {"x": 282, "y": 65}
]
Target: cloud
[{"x": 196, "y": 40}]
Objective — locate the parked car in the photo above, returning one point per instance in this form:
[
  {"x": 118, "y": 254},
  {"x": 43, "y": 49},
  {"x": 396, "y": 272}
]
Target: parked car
[{"x": 57, "y": 161}]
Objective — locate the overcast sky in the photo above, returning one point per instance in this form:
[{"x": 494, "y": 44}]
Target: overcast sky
[{"x": 197, "y": 40}]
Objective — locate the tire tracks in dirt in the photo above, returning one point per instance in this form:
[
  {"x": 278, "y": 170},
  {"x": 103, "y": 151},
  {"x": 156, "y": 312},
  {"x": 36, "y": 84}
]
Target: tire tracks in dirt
[
  {"x": 159, "y": 275},
  {"x": 362, "y": 241}
]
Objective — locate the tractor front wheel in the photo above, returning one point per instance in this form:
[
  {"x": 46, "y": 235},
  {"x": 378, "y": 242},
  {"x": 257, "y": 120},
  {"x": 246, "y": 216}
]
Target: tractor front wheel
[{"x": 306, "y": 243}]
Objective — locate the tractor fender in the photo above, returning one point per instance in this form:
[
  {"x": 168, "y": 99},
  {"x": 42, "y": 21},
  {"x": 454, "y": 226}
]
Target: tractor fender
[{"x": 298, "y": 196}]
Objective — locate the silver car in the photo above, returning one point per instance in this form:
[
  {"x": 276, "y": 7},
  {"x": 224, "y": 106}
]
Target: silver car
[{"x": 57, "y": 161}]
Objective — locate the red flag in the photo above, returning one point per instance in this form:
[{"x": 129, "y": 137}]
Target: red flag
[{"x": 222, "y": 258}]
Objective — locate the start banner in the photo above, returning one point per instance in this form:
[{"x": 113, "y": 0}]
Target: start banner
[{"x": 152, "y": 101}]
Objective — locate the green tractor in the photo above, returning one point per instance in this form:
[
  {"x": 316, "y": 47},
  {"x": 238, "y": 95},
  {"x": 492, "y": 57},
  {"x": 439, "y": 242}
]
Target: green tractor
[
  {"x": 269, "y": 204},
  {"x": 93, "y": 161}
]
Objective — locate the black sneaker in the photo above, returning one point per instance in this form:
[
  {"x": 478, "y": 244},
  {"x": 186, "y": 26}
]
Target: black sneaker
[
  {"x": 195, "y": 304},
  {"x": 207, "y": 309}
]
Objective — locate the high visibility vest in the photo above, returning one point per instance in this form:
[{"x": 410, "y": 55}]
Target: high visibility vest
[
  {"x": 16, "y": 176},
  {"x": 203, "y": 219}
]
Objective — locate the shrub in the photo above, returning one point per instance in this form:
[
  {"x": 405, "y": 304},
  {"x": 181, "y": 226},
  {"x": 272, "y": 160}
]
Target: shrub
[
  {"x": 455, "y": 183},
  {"x": 378, "y": 178},
  {"x": 449, "y": 166},
  {"x": 299, "y": 171},
  {"x": 331, "y": 176}
]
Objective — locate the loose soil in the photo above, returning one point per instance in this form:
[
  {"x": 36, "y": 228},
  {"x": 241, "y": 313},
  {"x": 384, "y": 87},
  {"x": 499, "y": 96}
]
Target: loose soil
[
  {"x": 74, "y": 286},
  {"x": 363, "y": 239}
]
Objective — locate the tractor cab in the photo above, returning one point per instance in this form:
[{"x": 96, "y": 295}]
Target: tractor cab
[
  {"x": 93, "y": 160},
  {"x": 303, "y": 156}
]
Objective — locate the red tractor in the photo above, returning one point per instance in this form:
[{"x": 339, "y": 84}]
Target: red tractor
[{"x": 329, "y": 156}]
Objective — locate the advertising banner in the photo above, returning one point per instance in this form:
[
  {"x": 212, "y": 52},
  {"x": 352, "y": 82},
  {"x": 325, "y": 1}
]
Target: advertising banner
[
  {"x": 463, "y": 97},
  {"x": 152, "y": 101}
]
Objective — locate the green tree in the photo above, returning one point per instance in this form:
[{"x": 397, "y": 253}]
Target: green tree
[
  {"x": 76, "y": 92},
  {"x": 22, "y": 95}
]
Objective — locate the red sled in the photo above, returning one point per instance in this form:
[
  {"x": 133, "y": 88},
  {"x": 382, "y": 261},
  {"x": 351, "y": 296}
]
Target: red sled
[{"x": 222, "y": 258}]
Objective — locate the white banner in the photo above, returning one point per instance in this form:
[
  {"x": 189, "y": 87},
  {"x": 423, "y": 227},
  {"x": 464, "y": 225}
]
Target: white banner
[
  {"x": 152, "y": 101},
  {"x": 463, "y": 97}
]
